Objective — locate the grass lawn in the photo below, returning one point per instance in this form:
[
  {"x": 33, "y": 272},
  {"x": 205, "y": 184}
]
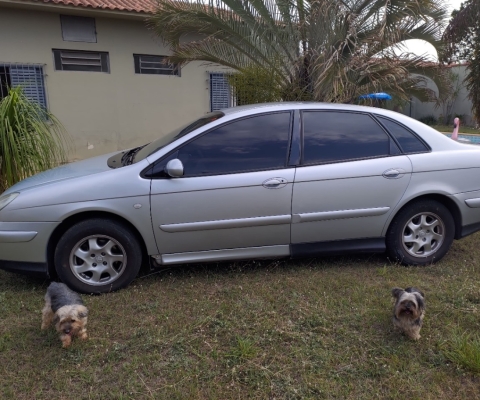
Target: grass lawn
[
  {"x": 309, "y": 329},
  {"x": 462, "y": 129}
]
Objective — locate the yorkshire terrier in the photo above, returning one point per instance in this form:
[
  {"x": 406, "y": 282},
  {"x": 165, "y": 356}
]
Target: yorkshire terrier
[
  {"x": 409, "y": 311},
  {"x": 65, "y": 309}
]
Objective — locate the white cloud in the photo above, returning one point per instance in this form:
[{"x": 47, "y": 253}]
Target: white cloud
[{"x": 420, "y": 47}]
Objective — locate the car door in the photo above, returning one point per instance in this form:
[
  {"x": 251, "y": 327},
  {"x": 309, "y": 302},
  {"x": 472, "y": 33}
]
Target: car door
[
  {"x": 234, "y": 199},
  {"x": 352, "y": 176}
]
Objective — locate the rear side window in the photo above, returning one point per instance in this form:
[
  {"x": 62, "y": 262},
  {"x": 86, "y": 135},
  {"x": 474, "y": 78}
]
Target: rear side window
[
  {"x": 330, "y": 136},
  {"x": 249, "y": 144},
  {"x": 407, "y": 140}
]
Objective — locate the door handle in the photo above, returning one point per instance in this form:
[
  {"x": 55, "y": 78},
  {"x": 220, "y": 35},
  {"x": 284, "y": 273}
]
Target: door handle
[
  {"x": 274, "y": 183},
  {"x": 393, "y": 173}
]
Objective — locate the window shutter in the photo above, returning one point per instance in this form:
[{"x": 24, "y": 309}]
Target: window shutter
[
  {"x": 78, "y": 29},
  {"x": 220, "y": 95},
  {"x": 30, "y": 78}
]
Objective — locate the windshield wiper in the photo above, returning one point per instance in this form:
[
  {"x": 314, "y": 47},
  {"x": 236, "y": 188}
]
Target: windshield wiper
[{"x": 127, "y": 158}]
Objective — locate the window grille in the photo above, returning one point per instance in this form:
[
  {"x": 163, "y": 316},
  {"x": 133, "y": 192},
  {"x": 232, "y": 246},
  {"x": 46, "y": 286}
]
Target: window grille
[
  {"x": 220, "y": 92},
  {"x": 73, "y": 60},
  {"x": 78, "y": 29},
  {"x": 29, "y": 76},
  {"x": 145, "y": 64}
]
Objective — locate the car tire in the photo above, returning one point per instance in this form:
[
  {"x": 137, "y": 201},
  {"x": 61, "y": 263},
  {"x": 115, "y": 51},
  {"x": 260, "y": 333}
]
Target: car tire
[
  {"x": 98, "y": 256},
  {"x": 420, "y": 233}
]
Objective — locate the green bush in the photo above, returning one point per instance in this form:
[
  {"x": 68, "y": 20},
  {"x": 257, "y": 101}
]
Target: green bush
[
  {"x": 429, "y": 120},
  {"x": 31, "y": 139}
]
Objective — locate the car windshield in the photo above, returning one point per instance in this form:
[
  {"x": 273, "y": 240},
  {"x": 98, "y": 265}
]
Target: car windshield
[{"x": 176, "y": 134}]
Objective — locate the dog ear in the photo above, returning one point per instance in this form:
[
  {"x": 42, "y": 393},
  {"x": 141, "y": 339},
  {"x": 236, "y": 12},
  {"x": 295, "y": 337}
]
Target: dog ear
[
  {"x": 420, "y": 300},
  {"x": 83, "y": 313},
  {"x": 414, "y": 290},
  {"x": 397, "y": 292},
  {"x": 56, "y": 319}
]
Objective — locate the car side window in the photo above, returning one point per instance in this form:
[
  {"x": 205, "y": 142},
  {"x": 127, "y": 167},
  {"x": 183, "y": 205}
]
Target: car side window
[
  {"x": 249, "y": 144},
  {"x": 331, "y": 136},
  {"x": 407, "y": 139}
]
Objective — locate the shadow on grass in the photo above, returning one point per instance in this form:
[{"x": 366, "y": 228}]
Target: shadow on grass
[{"x": 183, "y": 271}]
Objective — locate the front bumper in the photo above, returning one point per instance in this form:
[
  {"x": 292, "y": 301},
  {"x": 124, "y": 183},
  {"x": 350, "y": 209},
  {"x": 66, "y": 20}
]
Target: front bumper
[{"x": 23, "y": 246}]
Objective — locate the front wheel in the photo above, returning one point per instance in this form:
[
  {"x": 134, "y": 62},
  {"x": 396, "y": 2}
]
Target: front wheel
[
  {"x": 98, "y": 256},
  {"x": 421, "y": 233}
]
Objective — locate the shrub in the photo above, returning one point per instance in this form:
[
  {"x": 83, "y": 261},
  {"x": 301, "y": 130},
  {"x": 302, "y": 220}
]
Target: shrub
[
  {"x": 31, "y": 139},
  {"x": 429, "y": 120}
]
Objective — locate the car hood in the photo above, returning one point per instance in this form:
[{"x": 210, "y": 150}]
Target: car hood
[{"x": 77, "y": 169}]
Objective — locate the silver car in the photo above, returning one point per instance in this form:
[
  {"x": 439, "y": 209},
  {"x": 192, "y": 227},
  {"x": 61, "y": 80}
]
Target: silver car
[{"x": 262, "y": 181}]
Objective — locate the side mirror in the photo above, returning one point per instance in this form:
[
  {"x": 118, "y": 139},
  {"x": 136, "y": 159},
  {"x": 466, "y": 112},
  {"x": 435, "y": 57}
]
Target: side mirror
[{"x": 174, "y": 168}]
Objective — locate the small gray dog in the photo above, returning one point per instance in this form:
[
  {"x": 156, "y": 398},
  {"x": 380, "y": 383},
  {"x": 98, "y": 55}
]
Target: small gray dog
[
  {"x": 409, "y": 311},
  {"x": 65, "y": 309}
]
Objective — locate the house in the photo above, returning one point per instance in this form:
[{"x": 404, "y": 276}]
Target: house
[{"x": 97, "y": 67}]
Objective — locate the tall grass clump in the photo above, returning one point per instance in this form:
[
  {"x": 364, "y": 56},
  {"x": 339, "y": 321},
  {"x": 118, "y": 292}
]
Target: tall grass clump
[
  {"x": 31, "y": 138},
  {"x": 464, "y": 350}
]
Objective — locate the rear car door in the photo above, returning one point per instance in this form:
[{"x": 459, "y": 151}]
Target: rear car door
[
  {"x": 235, "y": 194},
  {"x": 351, "y": 176}
]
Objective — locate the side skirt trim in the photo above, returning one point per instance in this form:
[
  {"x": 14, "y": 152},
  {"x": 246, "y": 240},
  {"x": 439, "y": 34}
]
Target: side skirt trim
[
  {"x": 225, "y": 254},
  {"x": 469, "y": 229},
  {"x": 339, "y": 247}
]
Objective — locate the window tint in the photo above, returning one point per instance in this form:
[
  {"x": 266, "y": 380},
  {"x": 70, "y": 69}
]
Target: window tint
[
  {"x": 407, "y": 140},
  {"x": 163, "y": 141},
  {"x": 255, "y": 143},
  {"x": 336, "y": 136}
]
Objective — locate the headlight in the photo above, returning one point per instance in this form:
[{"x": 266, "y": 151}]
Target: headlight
[{"x": 7, "y": 199}]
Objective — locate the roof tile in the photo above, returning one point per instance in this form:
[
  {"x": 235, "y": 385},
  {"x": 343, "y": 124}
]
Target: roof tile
[{"x": 140, "y": 6}]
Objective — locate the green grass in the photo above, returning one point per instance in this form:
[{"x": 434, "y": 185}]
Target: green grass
[
  {"x": 464, "y": 349},
  {"x": 307, "y": 329},
  {"x": 462, "y": 129}
]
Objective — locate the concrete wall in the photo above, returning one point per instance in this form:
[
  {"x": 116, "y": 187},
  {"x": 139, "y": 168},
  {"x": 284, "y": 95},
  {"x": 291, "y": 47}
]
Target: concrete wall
[
  {"x": 105, "y": 112},
  {"x": 462, "y": 105}
]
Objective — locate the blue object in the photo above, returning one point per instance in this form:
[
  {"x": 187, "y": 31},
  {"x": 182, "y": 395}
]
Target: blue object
[{"x": 377, "y": 96}]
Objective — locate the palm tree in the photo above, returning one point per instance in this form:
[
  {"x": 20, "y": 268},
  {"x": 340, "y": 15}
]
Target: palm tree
[
  {"x": 323, "y": 50},
  {"x": 31, "y": 139}
]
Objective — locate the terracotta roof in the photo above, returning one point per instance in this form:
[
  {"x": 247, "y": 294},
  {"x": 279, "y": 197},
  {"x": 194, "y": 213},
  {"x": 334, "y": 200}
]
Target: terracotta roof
[{"x": 139, "y": 6}]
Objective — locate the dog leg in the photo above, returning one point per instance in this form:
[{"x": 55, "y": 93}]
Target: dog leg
[
  {"x": 47, "y": 316},
  {"x": 83, "y": 334},
  {"x": 66, "y": 340}
]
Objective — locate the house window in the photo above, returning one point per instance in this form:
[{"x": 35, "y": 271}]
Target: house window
[
  {"x": 155, "y": 65},
  {"x": 220, "y": 92},
  {"x": 29, "y": 76},
  {"x": 73, "y": 60},
  {"x": 78, "y": 29}
]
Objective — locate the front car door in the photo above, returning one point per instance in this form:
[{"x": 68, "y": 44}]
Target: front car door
[
  {"x": 351, "y": 177},
  {"x": 234, "y": 199}
]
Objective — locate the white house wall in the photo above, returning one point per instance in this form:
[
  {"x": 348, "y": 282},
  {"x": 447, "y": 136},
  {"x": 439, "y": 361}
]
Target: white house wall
[
  {"x": 105, "y": 112},
  {"x": 462, "y": 105}
]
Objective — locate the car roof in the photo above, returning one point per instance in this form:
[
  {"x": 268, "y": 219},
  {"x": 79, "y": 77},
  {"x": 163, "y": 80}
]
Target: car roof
[
  {"x": 303, "y": 105},
  {"x": 435, "y": 139}
]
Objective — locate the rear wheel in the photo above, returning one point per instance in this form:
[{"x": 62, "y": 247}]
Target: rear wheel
[
  {"x": 98, "y": 256},
  {"x": 421, "y": 233}
]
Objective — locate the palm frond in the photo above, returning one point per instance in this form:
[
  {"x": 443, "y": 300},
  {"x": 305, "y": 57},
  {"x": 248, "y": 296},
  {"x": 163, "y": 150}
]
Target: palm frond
[
  {"x": 328, "y": 50},
  {"x": 31, "y": 139}
]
